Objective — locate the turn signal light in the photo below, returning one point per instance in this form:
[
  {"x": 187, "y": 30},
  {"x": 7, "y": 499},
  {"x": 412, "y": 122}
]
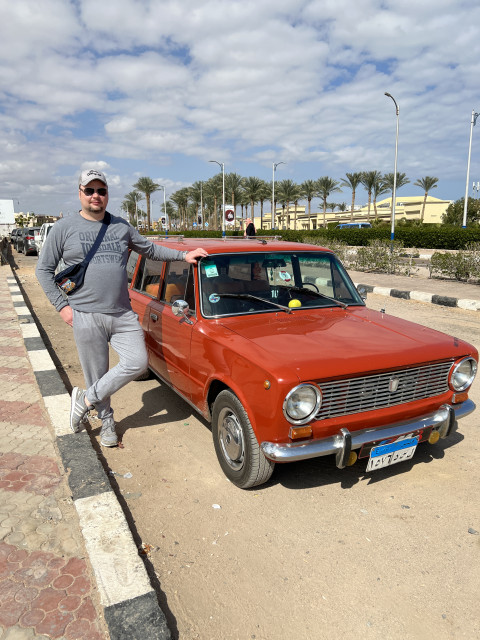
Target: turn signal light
[
  {"x": 300, "y": 432},
  {"x": 434, "y": 437},
  {"x": 460, "y": 397}
]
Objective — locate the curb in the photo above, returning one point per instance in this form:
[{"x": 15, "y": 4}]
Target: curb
[
  {"x": 421, "y": 296},
  {"x": 129, "y": 602}
]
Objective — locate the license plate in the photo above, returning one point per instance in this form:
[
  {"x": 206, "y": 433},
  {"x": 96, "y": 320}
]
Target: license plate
[{"x": 385, "y": 455}]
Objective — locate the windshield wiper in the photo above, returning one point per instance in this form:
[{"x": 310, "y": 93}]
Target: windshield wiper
[
  {"x": 320, "y": 295},
  {"x": 248, "y": 296}
]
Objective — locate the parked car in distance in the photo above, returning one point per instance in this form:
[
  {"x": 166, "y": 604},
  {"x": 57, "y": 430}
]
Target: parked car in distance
[
  {"x": 354, "y": 225},
  {"x": 13, "y": 234},
  {"x": 42, "y": 235},
  {"x": 25, "y": 240},
  {"x": 272, "y": 344}
]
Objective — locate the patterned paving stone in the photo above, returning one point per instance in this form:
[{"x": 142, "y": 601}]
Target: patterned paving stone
[
  {"x": 23, "y": 412},
  {"x": 43, "y": 594}
]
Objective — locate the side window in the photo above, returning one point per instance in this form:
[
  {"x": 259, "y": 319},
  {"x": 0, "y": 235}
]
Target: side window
[
  {"x": 175, "y": 282},
  {"x": 131, "y": 262},
  {"x": 148, "y": 277}
]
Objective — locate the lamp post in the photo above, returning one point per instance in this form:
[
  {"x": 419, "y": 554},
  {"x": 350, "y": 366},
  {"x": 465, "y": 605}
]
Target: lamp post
[
  {"x": 275, "y": 165},
  {"x": 222, "y": 166},
  {"x": 394, "y": 194},
  {"x": 465, "y": 204}
]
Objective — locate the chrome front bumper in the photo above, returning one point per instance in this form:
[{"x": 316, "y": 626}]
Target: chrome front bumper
[{"x": 344, "y": 442}]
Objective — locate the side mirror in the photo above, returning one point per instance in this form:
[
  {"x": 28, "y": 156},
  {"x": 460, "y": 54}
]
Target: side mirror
[{"x": 180, "y": 309}]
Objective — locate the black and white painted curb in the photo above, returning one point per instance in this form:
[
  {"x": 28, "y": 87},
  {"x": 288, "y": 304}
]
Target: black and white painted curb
[
  {"x": 421, "y": 296},
  {"x": 128, "y": 599}
]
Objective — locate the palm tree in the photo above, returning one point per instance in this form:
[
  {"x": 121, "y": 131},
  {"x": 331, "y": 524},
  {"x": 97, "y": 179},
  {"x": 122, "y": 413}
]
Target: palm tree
[
  {"x": 195, "y": 194},
  {"x": 252, "y": 187},
  {"x": 309, "y": 191},
  {"x": 369, "y": 180},
  {"x": 325, "y": 187},
  {"x": 263, "y": 194},
  {"x": 130, "y": 204},
  {"x": 427, "y": 183},
  {"x": 289, "y": 191},
  {"x": 388, "y": 180},
  {"x": 214, "y": 192},
  {"x": 233, "y": 187},
  {"x": 352, "y": 182},
  {"x": 147, "y": 186},
  {"x": 180, "y": 198},
  {"x": 379, "y": 187}
]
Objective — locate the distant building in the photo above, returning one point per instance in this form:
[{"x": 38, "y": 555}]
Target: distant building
[
  {"x": 408, "y": 207},
  {"x": 7, "y": 216},
  {"x": 31, "y": 219}
]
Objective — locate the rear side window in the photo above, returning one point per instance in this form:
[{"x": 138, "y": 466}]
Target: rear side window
[
  {"x": 148, "y": 277},
  {"x": 175, "y": 282}
]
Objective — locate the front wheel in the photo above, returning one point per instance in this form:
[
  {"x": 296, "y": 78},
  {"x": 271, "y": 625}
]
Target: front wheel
[{"x": 236, "y": 445}]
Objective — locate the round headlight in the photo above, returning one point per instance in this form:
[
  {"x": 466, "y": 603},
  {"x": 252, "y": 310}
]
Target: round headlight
[
  {"x": 462, "y": 374},
  {"x": 302, "y": 403}
]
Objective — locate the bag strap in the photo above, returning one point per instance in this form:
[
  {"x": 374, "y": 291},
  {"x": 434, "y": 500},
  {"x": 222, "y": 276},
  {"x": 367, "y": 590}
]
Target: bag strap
[{"x": 98, "y": 239}]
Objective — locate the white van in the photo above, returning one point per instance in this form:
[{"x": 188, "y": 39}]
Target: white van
[{"x": 42, "y": 235}]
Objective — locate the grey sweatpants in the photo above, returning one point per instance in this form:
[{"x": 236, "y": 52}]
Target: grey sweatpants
[{"x": 93, "y": 332}]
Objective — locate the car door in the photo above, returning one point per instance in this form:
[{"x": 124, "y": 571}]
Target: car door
[{"x": 168, "y": 336}]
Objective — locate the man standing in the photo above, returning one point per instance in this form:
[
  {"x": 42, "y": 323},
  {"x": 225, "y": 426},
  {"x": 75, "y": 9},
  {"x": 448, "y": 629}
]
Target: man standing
[{"x": 100, "y": 311}]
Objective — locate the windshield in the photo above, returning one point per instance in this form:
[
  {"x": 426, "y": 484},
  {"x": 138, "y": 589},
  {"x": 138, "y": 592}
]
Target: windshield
[{"x": 244, "y": 283}]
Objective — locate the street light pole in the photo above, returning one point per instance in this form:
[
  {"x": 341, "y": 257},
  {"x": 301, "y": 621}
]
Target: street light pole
[
  {"x": 465, "y": 204},
  {"x": 222, "y": 166},
  {"x": 394, "y": 194},
  {"x": 275, "y": 165}
]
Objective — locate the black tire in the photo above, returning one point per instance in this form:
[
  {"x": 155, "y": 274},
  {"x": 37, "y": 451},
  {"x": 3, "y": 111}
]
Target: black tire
[{"x": 236, "y": 445}]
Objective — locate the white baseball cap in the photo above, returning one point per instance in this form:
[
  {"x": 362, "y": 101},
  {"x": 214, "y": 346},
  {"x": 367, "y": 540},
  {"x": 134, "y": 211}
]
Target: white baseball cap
[{"x": 88, "y": 175}]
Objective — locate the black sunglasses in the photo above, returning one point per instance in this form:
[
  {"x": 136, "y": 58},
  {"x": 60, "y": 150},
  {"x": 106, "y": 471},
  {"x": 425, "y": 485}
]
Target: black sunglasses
[{"x": 89, "y": 191}]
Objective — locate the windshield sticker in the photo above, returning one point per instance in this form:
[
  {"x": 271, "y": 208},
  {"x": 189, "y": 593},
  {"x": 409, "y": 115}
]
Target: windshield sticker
[
  {"x": 211, "y": 270},
  {"x": 214, "y": 297},
  {"x": 284, "y": 275}
]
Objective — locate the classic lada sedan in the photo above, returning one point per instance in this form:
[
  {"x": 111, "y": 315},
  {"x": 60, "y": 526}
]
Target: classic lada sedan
[{"x": 271, "y": 342}]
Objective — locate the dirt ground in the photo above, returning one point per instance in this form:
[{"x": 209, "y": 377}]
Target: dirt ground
[{"x": 317, "y": 553}]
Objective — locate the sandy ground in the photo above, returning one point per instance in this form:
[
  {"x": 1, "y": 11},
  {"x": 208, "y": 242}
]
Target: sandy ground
[{"x": 316, "y": 553}]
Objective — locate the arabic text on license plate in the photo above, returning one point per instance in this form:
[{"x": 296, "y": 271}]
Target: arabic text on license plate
[{"x": 387, "y": 454}]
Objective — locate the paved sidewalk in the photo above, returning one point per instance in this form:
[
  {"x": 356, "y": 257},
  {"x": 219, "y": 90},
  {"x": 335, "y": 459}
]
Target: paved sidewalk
[
  {"x": 46, "y": 586},
  {"x": 69, "y": 567}
]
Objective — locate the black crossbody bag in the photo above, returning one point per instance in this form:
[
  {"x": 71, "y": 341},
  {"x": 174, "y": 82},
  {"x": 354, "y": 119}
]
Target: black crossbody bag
[{"x": 71, "y": 279}]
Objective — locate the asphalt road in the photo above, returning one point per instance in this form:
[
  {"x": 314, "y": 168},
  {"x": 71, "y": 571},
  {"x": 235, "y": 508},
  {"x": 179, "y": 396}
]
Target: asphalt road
[{"x": 317, "y": 553}]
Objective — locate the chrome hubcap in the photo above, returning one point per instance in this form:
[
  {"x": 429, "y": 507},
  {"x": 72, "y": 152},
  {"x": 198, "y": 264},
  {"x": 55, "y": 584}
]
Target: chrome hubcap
[{"x": 231, "y": 439}]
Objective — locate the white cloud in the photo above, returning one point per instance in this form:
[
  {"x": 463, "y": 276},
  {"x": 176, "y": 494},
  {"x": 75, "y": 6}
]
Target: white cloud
[{"x": 143, "y": 83}]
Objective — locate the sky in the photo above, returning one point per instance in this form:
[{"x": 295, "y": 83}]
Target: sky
[{"x": 158, "y": 88}]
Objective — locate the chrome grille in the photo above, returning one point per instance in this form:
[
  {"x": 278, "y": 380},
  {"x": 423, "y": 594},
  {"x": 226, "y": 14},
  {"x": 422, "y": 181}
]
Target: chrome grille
[{"x": 355, "y": 395}]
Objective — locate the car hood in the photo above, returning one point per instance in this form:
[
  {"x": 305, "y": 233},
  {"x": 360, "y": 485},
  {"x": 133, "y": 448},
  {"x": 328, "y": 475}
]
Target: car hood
[{"x": 338, "y": 342}]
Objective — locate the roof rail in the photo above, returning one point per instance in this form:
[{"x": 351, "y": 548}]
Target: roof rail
[{"x": 261, "y": 239}]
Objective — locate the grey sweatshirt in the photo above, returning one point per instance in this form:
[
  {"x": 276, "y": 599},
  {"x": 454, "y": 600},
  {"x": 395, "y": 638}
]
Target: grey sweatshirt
[{"x": 105, "y": 288}]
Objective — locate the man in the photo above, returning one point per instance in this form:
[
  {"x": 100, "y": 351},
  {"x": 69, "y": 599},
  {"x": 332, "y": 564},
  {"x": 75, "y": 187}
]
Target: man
[{"x": 100, "y": 311}]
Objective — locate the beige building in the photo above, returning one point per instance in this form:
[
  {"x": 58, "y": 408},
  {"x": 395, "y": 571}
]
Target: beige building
[
  {"x": 31, "y": 219},
  {"x": 409, "y": 207}
]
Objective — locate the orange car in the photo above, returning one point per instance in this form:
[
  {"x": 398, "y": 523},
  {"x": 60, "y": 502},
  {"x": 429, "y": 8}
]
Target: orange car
[{"x": 271, "y": 342}]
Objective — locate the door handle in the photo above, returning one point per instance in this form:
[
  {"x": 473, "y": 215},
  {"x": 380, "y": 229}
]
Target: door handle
[{"x": 154, "y": 317}]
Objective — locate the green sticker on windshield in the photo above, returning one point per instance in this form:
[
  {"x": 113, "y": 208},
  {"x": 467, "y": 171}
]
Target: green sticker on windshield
[{"x": 211, "y": 270}]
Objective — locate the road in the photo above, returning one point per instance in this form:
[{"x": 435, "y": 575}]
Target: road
[{"x": 315, "y": 554}]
